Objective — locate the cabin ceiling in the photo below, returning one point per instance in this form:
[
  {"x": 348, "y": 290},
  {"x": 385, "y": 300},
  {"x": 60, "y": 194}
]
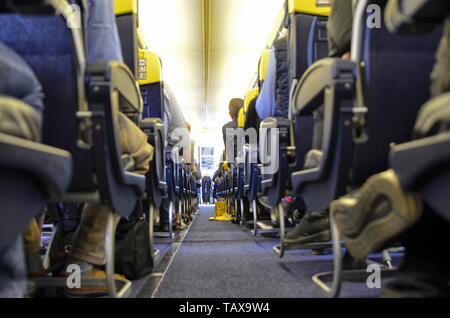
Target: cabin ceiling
[{"x": 210, "y": 51}]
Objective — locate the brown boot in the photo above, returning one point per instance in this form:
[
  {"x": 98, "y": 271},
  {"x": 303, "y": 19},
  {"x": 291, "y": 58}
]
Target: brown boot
[{"x": 91, "y": 291}]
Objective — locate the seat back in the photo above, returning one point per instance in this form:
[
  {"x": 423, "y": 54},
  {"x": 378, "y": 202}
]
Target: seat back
[
  {"x": 151, "y": 83},
  {"x": 262, "y": 68},
  {"x": 307, "y": 39},
  {"x": 356, "y": 140},
  {"x": 127, "y": 23},
  {"x": 396, "y": 72},
  {"x": 46, "y": 45},
  {"x": 308, "y": 43}
]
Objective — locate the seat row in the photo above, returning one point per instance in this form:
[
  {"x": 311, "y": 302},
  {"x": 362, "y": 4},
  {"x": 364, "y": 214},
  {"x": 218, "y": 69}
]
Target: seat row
[
  {"x": 370, "y": 108},
  {"x": 80, "y": 158}
]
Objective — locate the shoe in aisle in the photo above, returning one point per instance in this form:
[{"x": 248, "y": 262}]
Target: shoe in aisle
[
  {"x": 314, "y": 227},
  {"x": 375, "y": 215}
]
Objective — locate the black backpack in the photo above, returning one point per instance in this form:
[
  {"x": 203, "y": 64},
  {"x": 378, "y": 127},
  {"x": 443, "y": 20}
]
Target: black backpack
[
  {"x": 66, "y": 217},
  {"x": 132, "y": 254}
]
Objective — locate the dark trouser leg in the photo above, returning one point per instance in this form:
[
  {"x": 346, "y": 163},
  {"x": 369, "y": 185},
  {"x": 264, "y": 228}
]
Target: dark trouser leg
[
  {"x": 164, "y": 212},
  {"x": 13, "y": 271},
  {"x": 441, "y": 71},
  {"x": 425, "y": 271}
]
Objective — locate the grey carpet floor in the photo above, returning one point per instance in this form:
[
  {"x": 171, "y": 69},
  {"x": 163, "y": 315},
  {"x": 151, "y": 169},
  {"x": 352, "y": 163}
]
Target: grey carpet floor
[{"x": 224, "y": 260}]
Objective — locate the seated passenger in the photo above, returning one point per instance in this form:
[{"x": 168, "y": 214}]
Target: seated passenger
[
  {"x": 315, "y": 226},
  {"x": 173, "y": 116},
  {"x": 234, "y": 107},
  {"x": 339, "y": 28},
  {"x": 21, "y": 109},
  {"x": 273, "y": 100},
  {"x": 173, "y": 119},
  {"x": 88, "y": 245},
  {"x": 425, "y": 271}
]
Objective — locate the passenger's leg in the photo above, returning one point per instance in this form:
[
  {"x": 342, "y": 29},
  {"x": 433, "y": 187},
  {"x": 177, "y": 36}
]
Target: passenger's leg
[
  {"x": 164, "y": 216},
  {"x": 19, "y": 81},
  {"x": 89, "y": 239},
  {"x": 425, "y": 271},
  {"x": 441, "y": 72},
  {"x": 32, "y": 245},
  {"x": 103, "y": 36},
  {"x": 13, "y": 271},
  {"x": 20, "y": 120}
]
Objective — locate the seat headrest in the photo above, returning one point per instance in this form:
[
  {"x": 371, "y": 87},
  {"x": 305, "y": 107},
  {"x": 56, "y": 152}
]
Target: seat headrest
[
  {"x": 241, "y": 118},
  {"x": 252, "y": 94},
  {"x": 126, "y": 7},
  {"x": 262, "y": 67},
  {"x": 150, "y": 68},
  {"x": 312, "y": 7}
]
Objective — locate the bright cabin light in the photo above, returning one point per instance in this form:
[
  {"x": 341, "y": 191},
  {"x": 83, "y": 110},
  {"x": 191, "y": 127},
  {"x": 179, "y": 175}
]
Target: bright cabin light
[{"x": 239, "y": 30}]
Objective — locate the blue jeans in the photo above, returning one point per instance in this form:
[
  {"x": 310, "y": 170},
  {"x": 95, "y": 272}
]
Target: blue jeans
[
  {"x": 12, "y": 270},
  {"x": 19, "y": 89},
  {"x": 18, "y": 80},
  {"x": 102, "y": 33}
]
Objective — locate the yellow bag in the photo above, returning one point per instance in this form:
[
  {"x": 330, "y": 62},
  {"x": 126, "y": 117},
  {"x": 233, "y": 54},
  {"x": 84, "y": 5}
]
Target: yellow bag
[
  {"x": 221, "y": 208},
  {"x": 221, "y": 212}
]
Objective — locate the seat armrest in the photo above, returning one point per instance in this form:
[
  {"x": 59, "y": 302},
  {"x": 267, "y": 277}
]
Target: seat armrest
[
  {"x": 274, "y": 141},
  {"x": 110, "y": 87},
  {"x": 52, "y": 167},
  {"x": 122, "y": 81},
  {"x": 416, "y": 160},
  {"x": 156, "y": 179},
  {"x": 328, "y": 72},
  {"x": 329, "y": 83}
]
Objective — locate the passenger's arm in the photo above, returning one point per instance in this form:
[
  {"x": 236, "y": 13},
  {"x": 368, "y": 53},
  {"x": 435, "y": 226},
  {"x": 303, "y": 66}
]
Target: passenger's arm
[
  {"x": 415, "y": 17},
  {"x": 339, "y": 27},
  {"x": 103, "y": 37},
  {"x": 176, "y": 118}
]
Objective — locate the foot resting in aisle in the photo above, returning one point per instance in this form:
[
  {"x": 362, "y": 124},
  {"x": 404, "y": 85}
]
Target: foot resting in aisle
[{"x": 314, "y": 227}]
